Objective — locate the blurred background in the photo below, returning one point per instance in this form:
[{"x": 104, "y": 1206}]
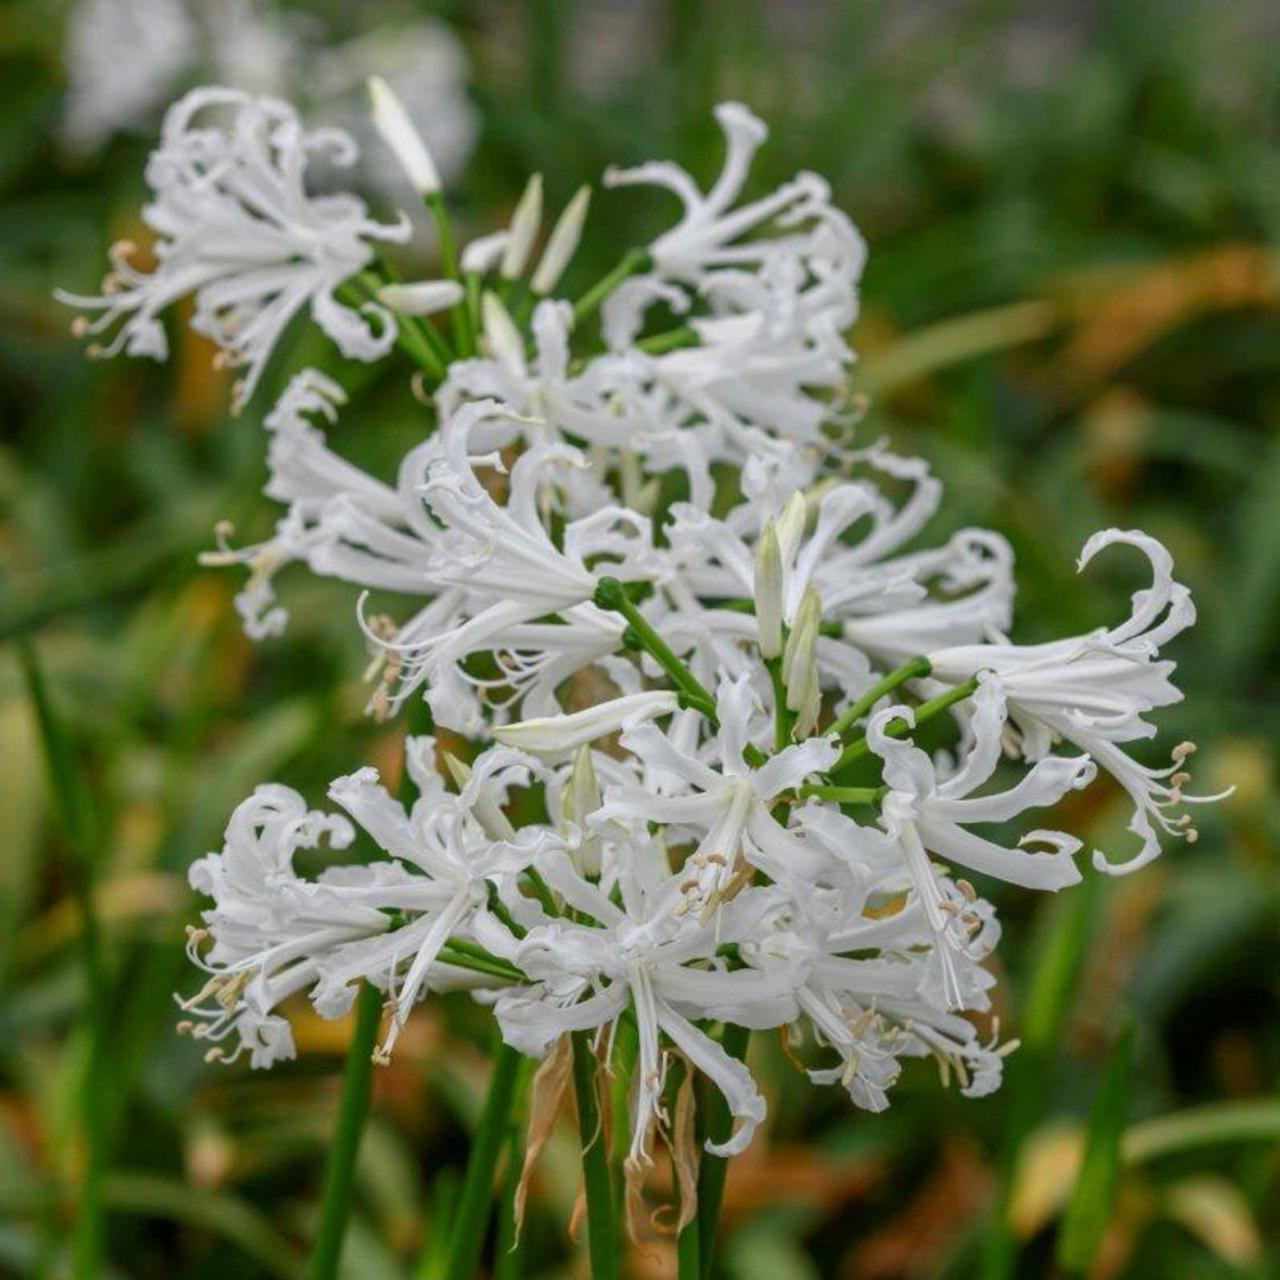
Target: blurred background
[{"x": 1072, "y": 308}]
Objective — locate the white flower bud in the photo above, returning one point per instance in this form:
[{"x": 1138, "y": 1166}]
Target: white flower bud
[
  {"x": 423, "y": 298},
  {"x": 483, "y": 253},
  {"x": 563, "y": 242},
  {"x": 768, "y": 591},
  {"x": 800, "y": 667},
  {"x": 488, "y": 813},
  {"x": 500, "y": 332},
  {"x": 524, "y": 229},
  {"x": 551, "y": 735},
  {"x": 581, "y": 798},
  {"x": 399, "y": 133},
  {"x": 791, "y": 526}
]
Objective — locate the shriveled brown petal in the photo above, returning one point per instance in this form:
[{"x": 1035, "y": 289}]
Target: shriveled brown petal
[{"x": 545, "y": 1100}]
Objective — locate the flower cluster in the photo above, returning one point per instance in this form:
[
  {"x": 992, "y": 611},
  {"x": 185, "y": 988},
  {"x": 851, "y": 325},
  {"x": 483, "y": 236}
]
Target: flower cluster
[{"x": 684, "y": 620}]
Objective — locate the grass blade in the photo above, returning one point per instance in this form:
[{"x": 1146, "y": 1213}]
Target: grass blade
[
  {"x": 72, "y": 805},
  {"x": 1092, "y": 1200}
]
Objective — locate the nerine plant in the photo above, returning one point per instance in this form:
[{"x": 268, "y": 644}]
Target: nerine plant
[{"x": 712, "y": 698}]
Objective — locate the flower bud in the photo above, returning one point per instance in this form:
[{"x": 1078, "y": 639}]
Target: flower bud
[
  {"x": 496, "y": 824},
  {"x": 562, "y": 244},
  {"x": 581, "y": 798},
  {"x": 551, "y": 735},
  {"x": 483, "y": 253},
  {"x": 524, "y": 229},
  {"x": 399, "y": 133},
  {"x": 768, "y": 592},
  {"x": 423, "y": 298},
  {"x": 501, "y": 334},
  {"x": 800, "y": 667}
]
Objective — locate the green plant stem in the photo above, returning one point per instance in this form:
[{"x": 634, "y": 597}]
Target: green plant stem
[
  {"x": 72, "y": 805},
  {"x": 658, "y": 343},
  {"x": 475, "y": 1204},
  {"x": 409, "y": 337},
  {"x": 508, "y": 1262},
  {"x": 910, "y": 670},
  {"x": 899, "y": 727},
  {"x": 353, "y": 1109},
  {"x": 633, "y": 262},
  {"x": 714, "y": 1169},
  {"x": 603, "y": 1244},
  {"x": 611, "y": 595},
  {"x": 783, "y": 719},
  {"x": 463, "y": 334},
  {"x": 461, "y": 956},
  {"x": 843, "y": 795},
  {"x": 688, "y": 1252}
]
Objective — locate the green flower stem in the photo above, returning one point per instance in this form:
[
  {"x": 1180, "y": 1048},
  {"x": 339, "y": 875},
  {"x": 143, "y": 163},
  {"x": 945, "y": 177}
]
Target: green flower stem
[
  {"x": 353, "y": 1108},
  {"x": 419, "y": 334},
  {"x": 542, "y": 891},
  {"x": 899, "y": 727},
  {"x": 508, "y": 1261},
  {"x": 658, "y": 343},
  {"x": 72, "y": 805},
  {"x": 463, "y": 332},
  {"x": 714, "y": 1169},
  {"x": 611, "y": 595},
  {"x": 843, "y": 795},
  {"x": 474, "y": 286},
  {"x": 603, "y": 1243},
  {"x": 910, "y": 670},
  {"x": 633, "y": 262},
  {"x": 461, "y": 955},
  {"x": 688, "y": 1253},
  {"x": 783, "y": 719},
  {"x": 471, "y": 1214},
  {"x": 409, "y": 338}
]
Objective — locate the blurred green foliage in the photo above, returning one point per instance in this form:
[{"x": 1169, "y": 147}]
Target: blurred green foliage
[{"x": 1072, "y": 308}]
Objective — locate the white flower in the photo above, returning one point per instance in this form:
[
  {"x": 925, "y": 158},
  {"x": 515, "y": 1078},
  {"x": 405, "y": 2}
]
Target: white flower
[
  {"x": 445, "y": 839},
  {"x": 340, "y": 521},
  {"x": 274, "y": 933},
  {"x": 712, "y": 233},
  {"x": 728, "y": 808},
  {"x": 1094, "y": 690},
  {"x": 238, "y": 231},
  {"x": 650, "y": 956},
  {"x": 925, "y": 814}
]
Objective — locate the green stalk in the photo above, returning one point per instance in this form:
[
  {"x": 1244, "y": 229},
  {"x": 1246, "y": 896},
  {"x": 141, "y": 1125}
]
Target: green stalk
[
  {"x": 611, "y": 595},
  {"x": 353, "y": 1108},
  {"x": 463, "y": 337},
  {"x": 633, "y": 262},
  {"x": 471, "y": 1214},
  {"x": 714, "y": 1169},
  {"x": 910, "y": 670},
  {"x": 460, "y": 955},
  {"x": 71, "y": 804},
  {"x": 843, "y": 795},
  {"x": 898, "y": 728},
  {"x": 409, "y": 338},
  {"x": 658, "y": 343},
  {"x": 783, "y": 718},
  {"x": 688, "y": 1252},
  {"x": 603, "y": 1243},
  {"x": 508, "y": 1261}
]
